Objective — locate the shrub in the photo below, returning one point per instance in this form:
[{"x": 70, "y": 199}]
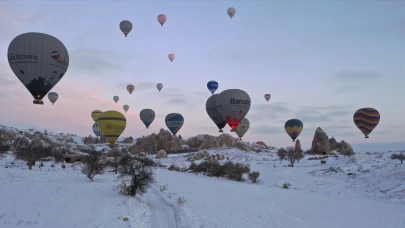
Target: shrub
[
  {"x": 193, "y": 167},
  {"x": 137, "y": 175},
  {"x": 399, "y": 156},
  {"x": 63, "y": 166},
  {"x": 253, "y": 176},
  {"x": 181, "y": 201},
  {"x": 173, "y": 167},
  {"x": 287, "y": 185},
  {"x": 53, "y": 166},
  {"x": 236, "y": 171},
  {"x": 93, "y": 165}
]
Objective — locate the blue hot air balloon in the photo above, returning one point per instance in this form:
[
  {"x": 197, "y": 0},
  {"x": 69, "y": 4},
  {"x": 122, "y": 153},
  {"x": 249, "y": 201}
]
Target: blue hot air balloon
[
  {"x": 174, "y": 121},
  {"x": 212, "y": 86},
  {"x": 96, "y": 130}
]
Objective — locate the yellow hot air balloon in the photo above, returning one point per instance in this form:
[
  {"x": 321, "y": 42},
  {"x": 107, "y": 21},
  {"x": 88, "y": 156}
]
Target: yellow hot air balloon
[
  {"x": 112, "y": 124},
  {"x": 96, "y": 114}
]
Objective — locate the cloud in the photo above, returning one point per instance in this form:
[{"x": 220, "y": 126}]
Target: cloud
[
  {"x": 179, "y": 101},
  {"x": 268, "y": 130},
  {"x": 355, "y": 76},
  {"x": 316, "y": 114},
  {"x": 96, "y": 62},
  {"x": 346, "y": 89},
  {"x": 266, "y": 111},
  {"x": 12, "y": 22}
]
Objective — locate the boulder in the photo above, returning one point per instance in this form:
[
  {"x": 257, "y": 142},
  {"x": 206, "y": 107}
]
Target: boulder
[
  {"x": 153, "y": 143},
  {"x": 345, "y": 148},
  {"x": 161, "y": 154}
]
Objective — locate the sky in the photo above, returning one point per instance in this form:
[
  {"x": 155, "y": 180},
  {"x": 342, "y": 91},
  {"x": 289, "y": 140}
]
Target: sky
[{"x": 320, "y": 61}]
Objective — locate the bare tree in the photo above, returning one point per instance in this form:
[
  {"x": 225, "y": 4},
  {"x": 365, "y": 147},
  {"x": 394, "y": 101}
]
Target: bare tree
[
  {"x": 253, "y": 176},
  {"x": 33, "y": 153},
  {"x": 137, "y": 174},
  {"x": 115, "y": 159},
  {"x": 281, "y": 153},
  {"x": 399, "y": 156},
  {"x": 292, "y": 155},
  {"x": 93, "y": 165}
]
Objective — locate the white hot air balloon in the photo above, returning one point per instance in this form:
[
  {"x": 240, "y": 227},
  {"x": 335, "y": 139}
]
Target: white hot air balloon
[
  {"x": 147, "y": 116},
  {"x": 126, "y": 107},
  {"x": 159, "y": 86},
  {"x": 233, "y": 105},
  {"x": 126, "y": 27},
  {"x": 242, "y": 128},
  {"x": 96, "y": 130},
  {"x": 231, "y": 12},
  {"x": 53, "y": 97},
  {"x": 116, "y": 98},
  {"x": 39, "y": 61}
]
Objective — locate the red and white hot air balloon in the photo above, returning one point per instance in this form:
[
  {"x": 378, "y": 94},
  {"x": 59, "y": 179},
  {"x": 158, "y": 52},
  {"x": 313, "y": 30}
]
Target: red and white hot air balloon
[
  {"x": 267, "y": 97},
  {"x": 130, "y": 88},
  {"x": 162, "y": 19},
  {"x": 171, "y": 57}
]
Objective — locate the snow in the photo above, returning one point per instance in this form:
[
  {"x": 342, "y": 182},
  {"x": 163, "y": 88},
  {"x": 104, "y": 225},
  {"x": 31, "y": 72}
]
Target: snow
[
  {"x": 359, "y": 157},
  {"x": 369, "y": 193}
]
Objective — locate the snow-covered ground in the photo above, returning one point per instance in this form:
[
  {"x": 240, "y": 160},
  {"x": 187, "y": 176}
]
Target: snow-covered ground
[{"x": 367, "y": 192}]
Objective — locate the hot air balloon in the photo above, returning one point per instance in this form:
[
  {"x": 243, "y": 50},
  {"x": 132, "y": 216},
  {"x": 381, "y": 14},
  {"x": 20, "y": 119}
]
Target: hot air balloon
[
  {"x": 111, "y": 125},
  {"x": 267, "y": 97},
  {"x": 53, "y": 97},
  {"x": 130, "y": 88},
  {"x": 126, "y": 107},
  {"x": 162, "y": 19},
  {"x": 126, "y": 27},
  {"x": 366, "y": 119},
  {"x": 233, "y": 105},
  {"x": 147, "y": 116},
  {"x": 116, "y": 98},
  {"x": 293, "y": 128},
  {"x": 39, "y": 61},
  {"x": 242, "y": 128},
  {"x": 231, "y": 12},
  {"x": 212, "y": 86},
  {"x": 96, "y": 130},
  {"x": 174, "y": 121},
  {"x": 171, "y": 57},
  {"x": 96, "y": 114},
  {"x": 211, "y": 107},
  {"x": 159, "y": 86}
]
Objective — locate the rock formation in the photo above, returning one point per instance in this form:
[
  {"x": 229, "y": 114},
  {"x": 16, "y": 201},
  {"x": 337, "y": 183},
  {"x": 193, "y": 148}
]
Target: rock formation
[
  {"x": 204, "y": 155},
  {"x": 161, "y": 154},
  {"x": 298, "y": 146},
  {"x": 321, "y": 144}
]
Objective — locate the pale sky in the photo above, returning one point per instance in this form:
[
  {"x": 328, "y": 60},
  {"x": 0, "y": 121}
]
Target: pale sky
[{"x": 320, "y": 61}]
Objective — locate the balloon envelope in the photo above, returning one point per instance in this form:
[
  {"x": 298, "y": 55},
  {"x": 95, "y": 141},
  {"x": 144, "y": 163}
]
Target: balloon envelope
[
  {"x": 39, "y": 61},
  {"x": 231, "y": 12},
  {"x": 126, "y": 108},
  {"x": 112, "y": 124},
  {"x": 174, "y": 121},
  {"x": 130, "y": 88},
  {"x": 147, "y": 116},
  {"x": 242, "y": 128},
  {"x": 159, "y": 86},
  {"x": 171, "y": 57},
  {"x": 233, "y": 105},
  {"x": 96, "y": 130},
  {"x": 212, "y": 86},
  {"x": 96, "y": 114},
  {"x": 162, "y": 19},
  {"x": 267, "y": 97},
  {"x": 53, "y": 97},
  {"x": 126, "y": 27},
  {"x": 211, "y": 107},
  {"x": 366, "y": 119},
  {"x": 116, "y": 98},
  {"x": 293, "y": 127}
]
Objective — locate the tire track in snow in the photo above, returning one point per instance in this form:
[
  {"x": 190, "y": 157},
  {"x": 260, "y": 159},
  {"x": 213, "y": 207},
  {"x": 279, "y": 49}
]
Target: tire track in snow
[{"x": 161, "y": 214}]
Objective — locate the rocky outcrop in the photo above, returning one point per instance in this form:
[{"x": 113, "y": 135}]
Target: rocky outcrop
[
  {"x": 7, "y": 135},
  {"x": 298, "y": 146},
  {"x": 202, "y": 142},
  {"x": 345, "y": 148},
  {"x": 321, "y": 144},
  {"x": 21, "y": 142},
  {"x": 153, "y": 143},
  {"x": 89, "y": 140},
  {"x": 204, "y": 155},
  {"x": 128, "y": 140}
]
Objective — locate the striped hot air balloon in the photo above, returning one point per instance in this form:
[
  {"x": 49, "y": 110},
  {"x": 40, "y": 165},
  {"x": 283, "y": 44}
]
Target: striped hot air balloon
[
  {"x": 366, "y": 119},
  {"x": 293, "y": 128},
  {"x": 96, "y": 114},
  {"x": 174, "y": 121}
]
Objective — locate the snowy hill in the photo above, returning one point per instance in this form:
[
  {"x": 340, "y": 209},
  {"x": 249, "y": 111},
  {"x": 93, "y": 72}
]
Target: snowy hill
[{"x": 366, "y": 191}]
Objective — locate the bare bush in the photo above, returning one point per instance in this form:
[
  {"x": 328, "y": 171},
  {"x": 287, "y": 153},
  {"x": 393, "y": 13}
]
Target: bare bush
[
  {"x": 236, "y": 171},
  {"x": 253, "y": 176},
  {"x": 181, "y": 201},
  {"x": 33, "y": 153},
  {"x": 174, "y": 167},
  {"x": 93, "y": 165},
  {"x": 287, "y": 185},
  {"x": 137, "y": 175},
  {"x": 281, "y": 153},
  {"x": 290, "y": 154},
  {"x": 116, "y": 155},
  {"x": 4, "y": 147},
  {"x": 399, "y": 156}
]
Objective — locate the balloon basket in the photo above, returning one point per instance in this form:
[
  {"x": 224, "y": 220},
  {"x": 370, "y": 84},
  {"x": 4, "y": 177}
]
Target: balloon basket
[{"x": 39, "y": 102}]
